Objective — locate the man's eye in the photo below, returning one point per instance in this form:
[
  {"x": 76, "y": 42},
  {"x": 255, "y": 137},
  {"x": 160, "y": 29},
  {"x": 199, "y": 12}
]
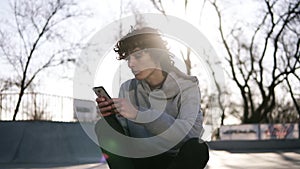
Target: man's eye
[{"x": 137, "y": 56}]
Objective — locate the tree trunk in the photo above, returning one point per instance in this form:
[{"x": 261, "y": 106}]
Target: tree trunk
[{"x": 18, "y": 104}]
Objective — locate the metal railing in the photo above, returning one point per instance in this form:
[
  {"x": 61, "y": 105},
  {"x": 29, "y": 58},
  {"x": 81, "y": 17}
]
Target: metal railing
[{"x": 37, "y": 106}]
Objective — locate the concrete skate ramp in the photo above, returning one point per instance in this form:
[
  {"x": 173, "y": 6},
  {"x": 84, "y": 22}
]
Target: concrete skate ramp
[{"x": 46, "y": 142}]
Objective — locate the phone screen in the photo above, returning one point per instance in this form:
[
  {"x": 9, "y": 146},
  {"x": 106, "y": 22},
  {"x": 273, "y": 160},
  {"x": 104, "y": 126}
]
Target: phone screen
[{"x": 100, "y": 91}]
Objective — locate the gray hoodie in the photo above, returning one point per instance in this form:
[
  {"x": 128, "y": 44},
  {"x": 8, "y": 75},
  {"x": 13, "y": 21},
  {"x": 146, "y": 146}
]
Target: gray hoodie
[{"x": 170, "y": 114}]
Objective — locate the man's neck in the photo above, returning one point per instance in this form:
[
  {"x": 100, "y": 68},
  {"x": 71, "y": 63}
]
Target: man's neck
[{"x": 156, "y": 79}]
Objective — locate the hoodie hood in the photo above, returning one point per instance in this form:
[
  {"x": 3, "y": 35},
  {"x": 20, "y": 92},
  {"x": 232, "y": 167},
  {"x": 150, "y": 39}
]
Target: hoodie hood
[{"x": 175, "y": 83}]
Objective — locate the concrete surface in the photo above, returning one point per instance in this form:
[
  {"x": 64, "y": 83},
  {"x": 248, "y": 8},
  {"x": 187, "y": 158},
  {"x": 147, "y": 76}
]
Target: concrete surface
[
  {"x": 51, "y": 145},
  {"x": 218, "y": 160},
  {"x": 45, "y": 142},
  {"x": 254, "y": 160}
]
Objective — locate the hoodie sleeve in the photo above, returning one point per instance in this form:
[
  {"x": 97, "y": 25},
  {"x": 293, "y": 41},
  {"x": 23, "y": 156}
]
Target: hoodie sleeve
[{"x": 186, "y": 123}]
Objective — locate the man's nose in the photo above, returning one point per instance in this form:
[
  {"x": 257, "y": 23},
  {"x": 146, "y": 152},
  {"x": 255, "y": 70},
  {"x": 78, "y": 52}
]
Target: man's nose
[{"x": 131, "y": 63}]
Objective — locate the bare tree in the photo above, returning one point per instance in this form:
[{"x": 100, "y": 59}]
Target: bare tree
[
  {"x": 159, "y": 6},
  {"x": 187, "y": 59},
  {"x": 5, "y": 84},
  {"x": 37, "y": 111},
  {"x": 37, "y": 39},
  {"x": 261, "y": 59},
  {"x": 267, "y": 59}
]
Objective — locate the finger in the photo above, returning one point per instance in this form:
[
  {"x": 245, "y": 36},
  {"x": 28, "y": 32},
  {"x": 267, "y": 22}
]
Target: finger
[
  {"x": 115, "y": 111},
  {"x": 105, "y": 103},
  {"x": 106, "y": 109},
  {"x": 106, "y": 114},
  {"x": 116, "y": 100},
  {"x": 100, "y": 99},
  {"x": 117, "y": 106}
]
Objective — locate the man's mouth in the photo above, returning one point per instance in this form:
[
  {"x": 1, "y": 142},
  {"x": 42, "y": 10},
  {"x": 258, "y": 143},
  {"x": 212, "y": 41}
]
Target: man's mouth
[{"x": 135, "y": 72}]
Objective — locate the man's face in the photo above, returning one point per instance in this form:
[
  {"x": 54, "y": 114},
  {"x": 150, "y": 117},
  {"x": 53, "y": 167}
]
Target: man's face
[{"x": 141, "y": 64}]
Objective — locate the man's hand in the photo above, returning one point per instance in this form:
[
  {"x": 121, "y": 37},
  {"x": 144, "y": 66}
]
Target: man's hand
[
  {"x": 125, "y": 108},
  {"x": 106, "y": 106}
]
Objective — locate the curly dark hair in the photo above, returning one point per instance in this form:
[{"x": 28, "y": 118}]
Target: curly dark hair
[
  {"x": 142, "y": 38},
  {"x": 148, "y": 39}
]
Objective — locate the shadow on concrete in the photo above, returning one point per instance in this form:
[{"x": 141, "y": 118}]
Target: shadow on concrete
[
  {"x": 43, "y": 142},
  {"x": 46, "y": 165}
]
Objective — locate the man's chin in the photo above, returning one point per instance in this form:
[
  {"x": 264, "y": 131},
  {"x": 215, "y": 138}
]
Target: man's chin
[{"x": 138, "y": 76}]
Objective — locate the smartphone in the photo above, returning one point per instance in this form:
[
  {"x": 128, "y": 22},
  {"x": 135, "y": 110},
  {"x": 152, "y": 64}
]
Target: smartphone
[{"x": 100, "y": 91}]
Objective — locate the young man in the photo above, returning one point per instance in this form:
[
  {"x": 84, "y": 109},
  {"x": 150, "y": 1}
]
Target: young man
[{"x": 160, "y": 105}]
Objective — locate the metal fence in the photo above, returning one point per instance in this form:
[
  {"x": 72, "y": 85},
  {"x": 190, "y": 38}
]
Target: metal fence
[{"x": 37, "y": 106}]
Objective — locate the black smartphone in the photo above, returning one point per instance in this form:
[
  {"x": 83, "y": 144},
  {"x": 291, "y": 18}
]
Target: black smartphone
[{"x": 100, "y": 91}]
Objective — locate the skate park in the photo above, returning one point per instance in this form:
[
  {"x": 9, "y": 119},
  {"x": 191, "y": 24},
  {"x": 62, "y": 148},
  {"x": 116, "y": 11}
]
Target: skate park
[{"x": 43, "y": 144}]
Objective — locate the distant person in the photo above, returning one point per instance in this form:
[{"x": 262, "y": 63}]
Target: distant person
[{"x": 160, "y": 98}]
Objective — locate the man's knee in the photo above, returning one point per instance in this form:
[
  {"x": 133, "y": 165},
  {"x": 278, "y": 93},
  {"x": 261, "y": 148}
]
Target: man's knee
[
  {"x": 195, "y": 149},
  {"x": 195, "y": 145}
]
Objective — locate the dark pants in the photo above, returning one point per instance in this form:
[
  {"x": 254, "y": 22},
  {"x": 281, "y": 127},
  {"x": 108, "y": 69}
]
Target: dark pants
[{"x": 192, "y": 155}]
